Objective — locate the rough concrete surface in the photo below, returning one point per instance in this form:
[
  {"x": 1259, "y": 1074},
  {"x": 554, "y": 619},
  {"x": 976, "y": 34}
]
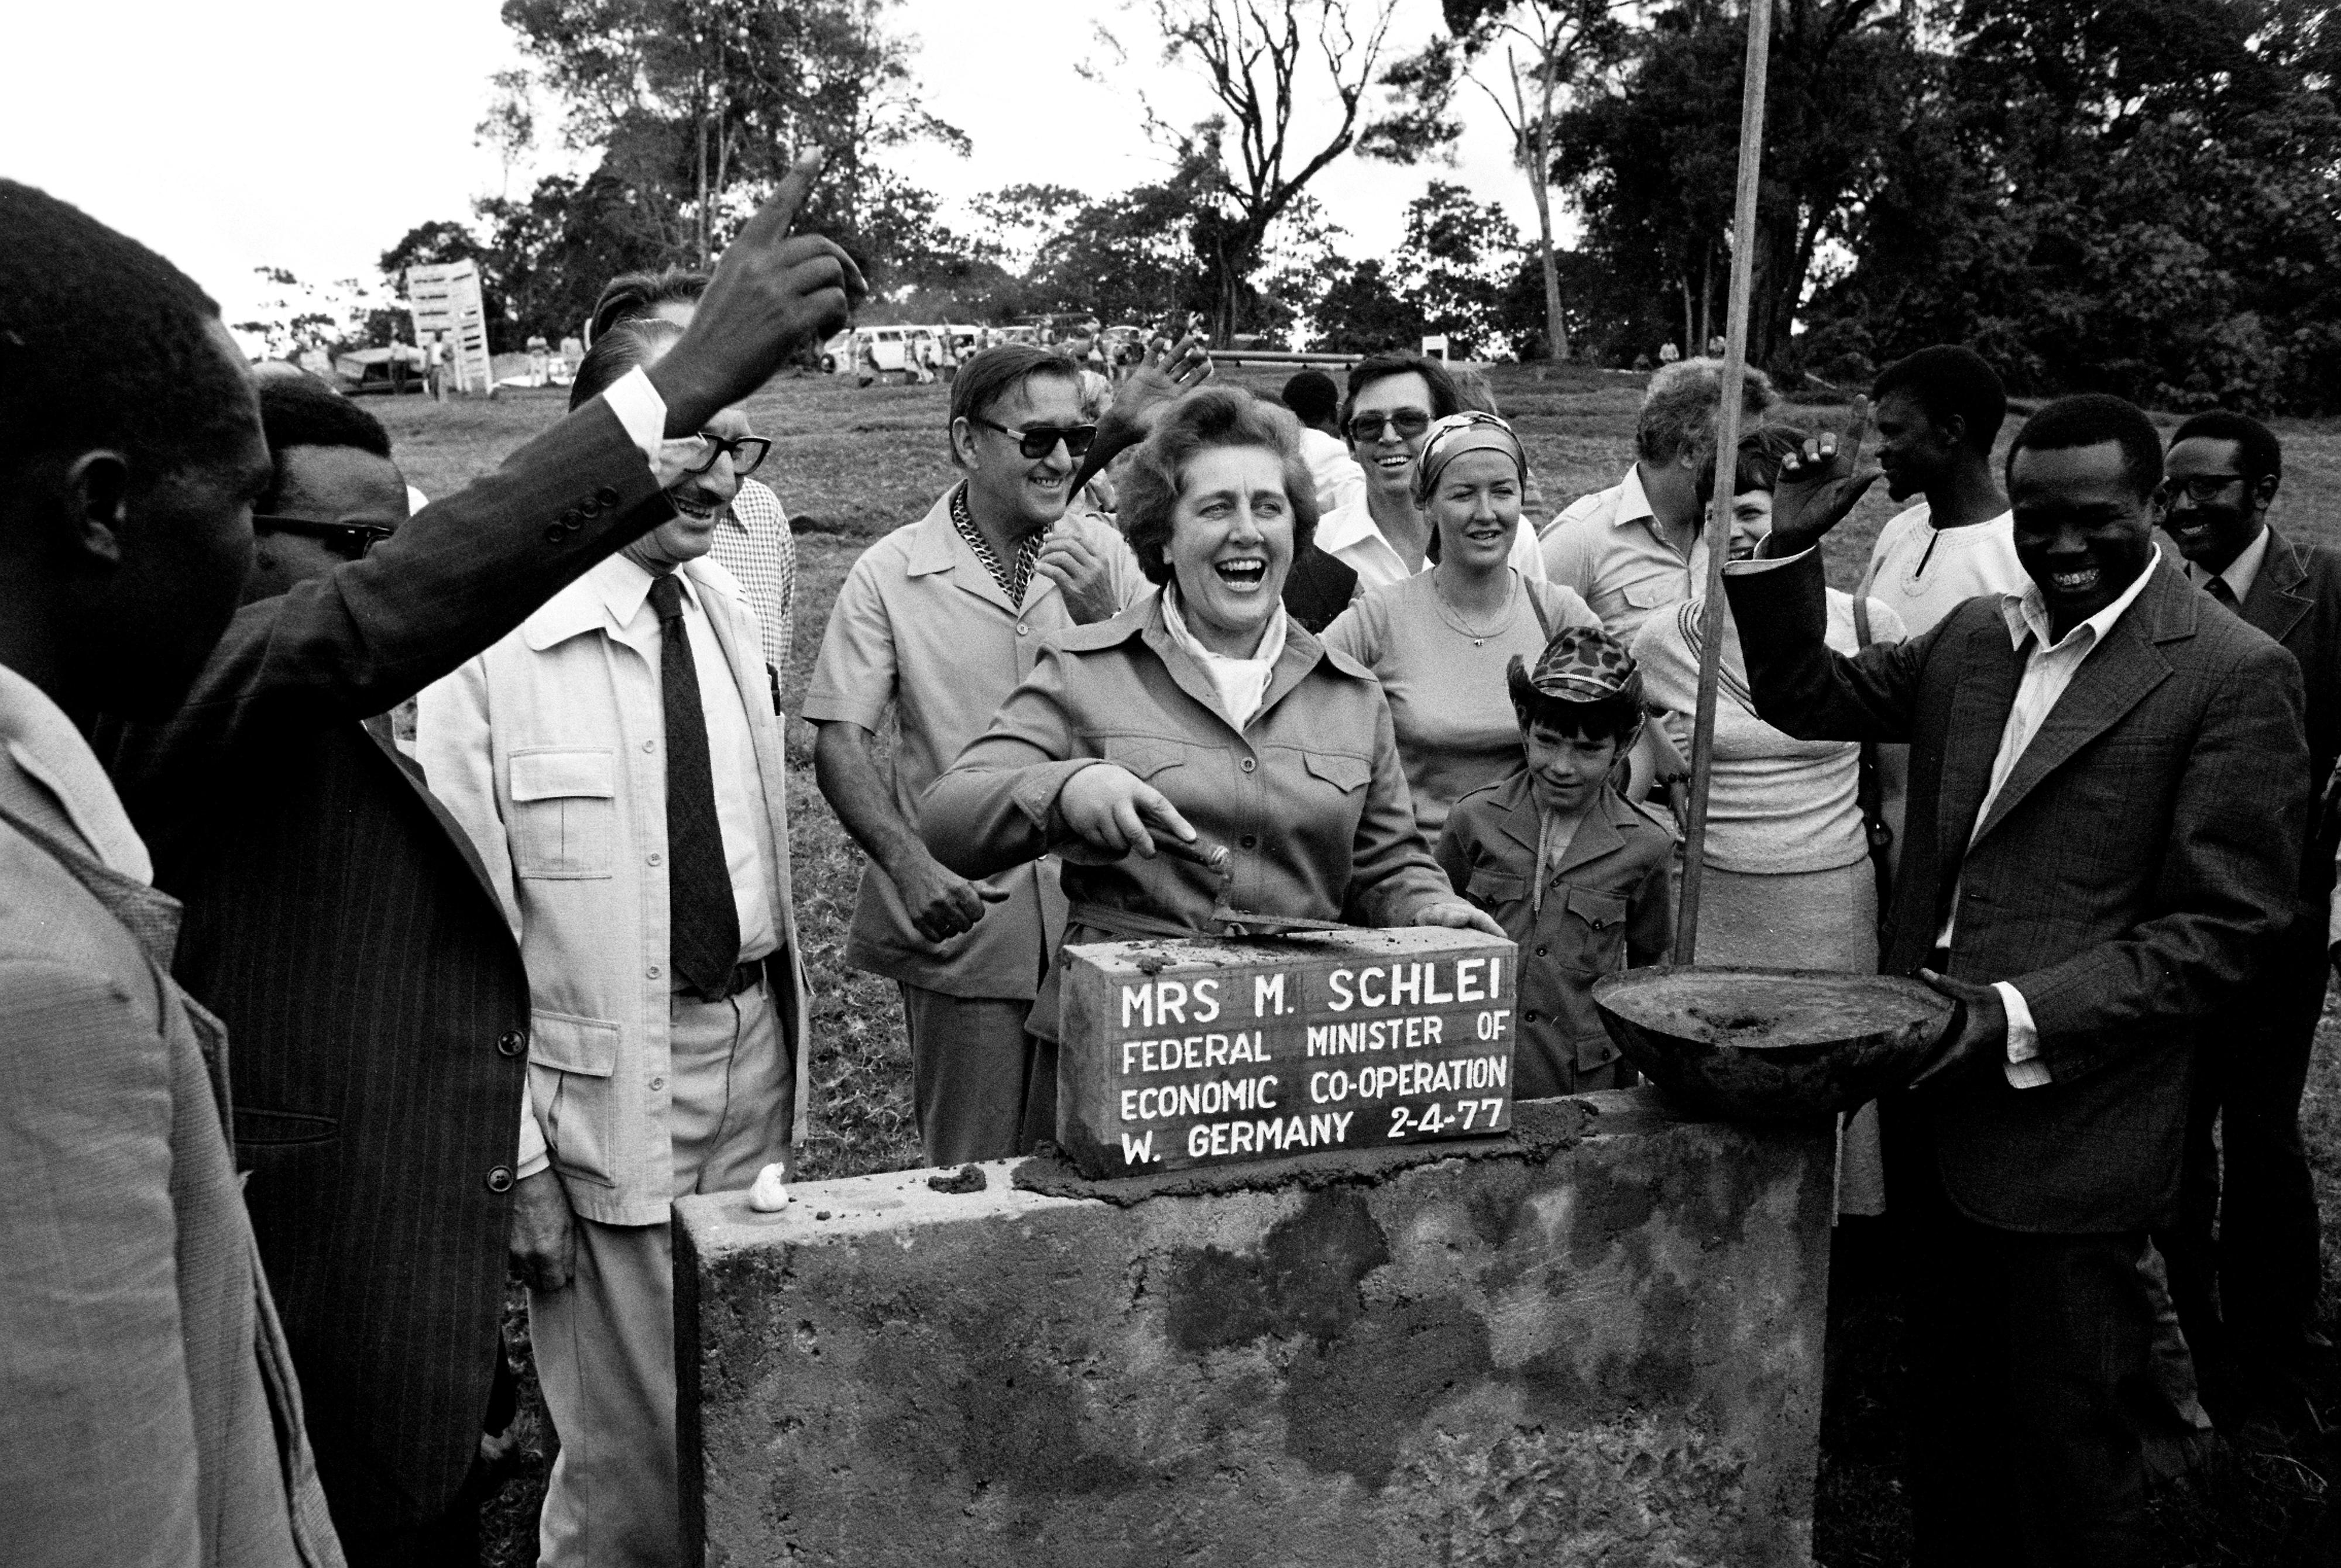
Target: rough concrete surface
[{"x": 1604, "y": 1350}]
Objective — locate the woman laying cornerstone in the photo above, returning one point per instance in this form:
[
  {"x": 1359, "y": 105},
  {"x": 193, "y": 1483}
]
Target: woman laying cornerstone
[{"x": 1199, "y": 712}]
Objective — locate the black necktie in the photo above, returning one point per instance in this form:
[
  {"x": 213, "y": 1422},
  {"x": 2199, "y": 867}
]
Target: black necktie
[
  {"x": 2217, "y": 589},
  {"x": 703, "y": 922}
]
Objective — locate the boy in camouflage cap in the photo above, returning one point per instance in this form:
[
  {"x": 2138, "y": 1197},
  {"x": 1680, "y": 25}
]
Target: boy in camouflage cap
[{"x": 1575, "y": 873}]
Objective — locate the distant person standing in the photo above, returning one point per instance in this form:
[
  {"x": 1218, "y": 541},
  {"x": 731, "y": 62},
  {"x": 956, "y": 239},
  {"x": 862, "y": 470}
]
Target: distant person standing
[
  {"x": 2247, "y": 1299},
  {"x": 1936, "y": 414},
  {"x": 935, "y": 626},
  {"x": 1638, "y": 547},
  {"x": 1316, "y": 402}
]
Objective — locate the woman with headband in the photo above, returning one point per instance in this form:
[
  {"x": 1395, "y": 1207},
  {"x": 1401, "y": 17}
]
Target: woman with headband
[{"x": 1442, "y": 640}]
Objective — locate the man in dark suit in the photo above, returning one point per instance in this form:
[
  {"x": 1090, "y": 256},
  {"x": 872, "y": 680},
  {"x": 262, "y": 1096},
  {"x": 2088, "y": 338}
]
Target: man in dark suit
[
  {"x": 2106, "y": 786},
  {"x": 2247, "y": 1299},
  {"x": 339, "y": 919}
]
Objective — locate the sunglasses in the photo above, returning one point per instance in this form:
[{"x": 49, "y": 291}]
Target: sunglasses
[
  {"x": 748, "y": 452},
  {"x": 351, "y": 541},
  {"x": 1041, "y": 440},
  {"x": 1409, "y": 423}
]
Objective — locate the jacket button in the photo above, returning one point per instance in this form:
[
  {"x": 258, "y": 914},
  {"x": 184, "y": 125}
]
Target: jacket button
[
  {"x": 653, "y": 971},
  {"x": 607, "y": 495},
  {"x": 1248, "y": 765},
  {"x": 658, "y": 1083},
  {"x": 570, "y": 516},
  {"x": 1529, "y": 1017},
  {"x": 555, "y": 534},
  {"x": 1248, "y": 842},
  {"x": 1022, "y": 629},
  {"x": 1544, "y": 952},
  {"x": 500, "y": 1179},
  {"x": 649, "y": 744},
  {"x": 510, "y": 1043},
  {"x": 654, "y": 857}
]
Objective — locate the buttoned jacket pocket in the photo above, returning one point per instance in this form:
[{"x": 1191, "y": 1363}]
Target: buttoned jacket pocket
[
  {"x": 1651, "y": 592},
  {"x": 1338, "y": 768},
  {"x": 571, "y": 1062},
  {"x": 1143, "y": 755},
  {"x": 1594, "y": 926},
  {"x": 564, "y": 821}
]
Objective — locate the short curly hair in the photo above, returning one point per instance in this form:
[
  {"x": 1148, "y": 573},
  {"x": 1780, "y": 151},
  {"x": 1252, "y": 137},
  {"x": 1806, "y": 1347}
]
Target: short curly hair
[{"x": 1208, "y": 420}]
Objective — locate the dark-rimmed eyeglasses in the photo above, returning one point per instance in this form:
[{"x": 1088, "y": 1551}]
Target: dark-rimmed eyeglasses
[
  {"x": 748, "y": 452},
  {"x": 351, "y": 541},
  {"x": 1409, "y": 423},
  {"x": 2201, "y": 488},
  {"x": 1041, "y": 439}
]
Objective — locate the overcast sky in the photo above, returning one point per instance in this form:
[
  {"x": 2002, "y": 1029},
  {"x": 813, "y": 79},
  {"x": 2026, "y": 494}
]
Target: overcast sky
[{"x": 310, "y": 134}]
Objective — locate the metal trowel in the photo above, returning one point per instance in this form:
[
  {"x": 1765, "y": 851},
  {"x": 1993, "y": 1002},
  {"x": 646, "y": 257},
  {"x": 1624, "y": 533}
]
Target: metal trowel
[{"x": 1230, "y": 920}]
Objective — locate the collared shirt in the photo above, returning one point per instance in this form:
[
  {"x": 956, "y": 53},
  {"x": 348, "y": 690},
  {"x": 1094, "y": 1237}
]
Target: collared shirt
[
  {"x": 2049, "y": 670},
  {"x": 923, "y": 630},
  {"x": 754, "y": 544},
  {"x": 1607, "y": 547},
  {"x": 1340, "y": 481},
  {"x": 2241, "y": 572},
  {"x": 52, "y": 751},
  {"x": 624, "y": 589},
  {"x": 1241, "y": 682},
  {"x": 1350, "y": 534}
]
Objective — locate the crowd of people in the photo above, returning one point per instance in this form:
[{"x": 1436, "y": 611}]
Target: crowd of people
[{"x": 395, "y": 896}]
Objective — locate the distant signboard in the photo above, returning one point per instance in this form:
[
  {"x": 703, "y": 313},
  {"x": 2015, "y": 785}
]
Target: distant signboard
[
  {"x": 443, "y": 299},
  {"x": 1209, "y": 1052}
]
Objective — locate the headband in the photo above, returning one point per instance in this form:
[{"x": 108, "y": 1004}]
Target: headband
[{"x": 1457, "y": 433}]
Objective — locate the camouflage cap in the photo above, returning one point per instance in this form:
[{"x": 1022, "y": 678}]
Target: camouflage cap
[{"x": 1580, "y": 664}]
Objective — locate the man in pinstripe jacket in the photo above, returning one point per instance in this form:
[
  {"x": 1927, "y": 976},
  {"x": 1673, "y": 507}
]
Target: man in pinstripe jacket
[{"x": 341, "y": 924}]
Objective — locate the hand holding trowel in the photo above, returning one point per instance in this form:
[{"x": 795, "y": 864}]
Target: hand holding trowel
[{"x": 1230, "y": 920}]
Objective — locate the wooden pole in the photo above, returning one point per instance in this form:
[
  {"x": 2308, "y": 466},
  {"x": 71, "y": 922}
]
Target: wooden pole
[{"x": 1718, "y": 531}]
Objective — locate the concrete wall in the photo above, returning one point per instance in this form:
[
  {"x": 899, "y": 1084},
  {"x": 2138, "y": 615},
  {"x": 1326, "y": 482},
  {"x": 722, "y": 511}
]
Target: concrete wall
[{"x": 1603, "y": 1349}]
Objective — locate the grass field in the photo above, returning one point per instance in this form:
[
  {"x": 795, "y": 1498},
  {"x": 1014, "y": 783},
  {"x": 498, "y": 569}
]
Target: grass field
[{"x": 853, "y": 464}]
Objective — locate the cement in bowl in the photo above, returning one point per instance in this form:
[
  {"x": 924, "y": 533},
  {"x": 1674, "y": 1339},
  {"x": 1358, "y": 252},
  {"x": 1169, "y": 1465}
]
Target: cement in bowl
[{"x": 1764, "y": 1045}]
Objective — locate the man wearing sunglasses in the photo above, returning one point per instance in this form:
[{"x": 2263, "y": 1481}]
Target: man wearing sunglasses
[
  {"x": 936, "y": 624},
  {"x": 2248, "y": 1300},
  {"x": 335, "y": 493}
]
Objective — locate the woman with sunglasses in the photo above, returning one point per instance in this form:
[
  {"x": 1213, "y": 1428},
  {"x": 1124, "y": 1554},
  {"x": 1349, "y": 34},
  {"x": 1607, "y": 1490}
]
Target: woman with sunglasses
[
  {"x": 1200, "y": 714},
  {"x": 1440, "y": 641},
  {"x": 1384, "y": 536}
]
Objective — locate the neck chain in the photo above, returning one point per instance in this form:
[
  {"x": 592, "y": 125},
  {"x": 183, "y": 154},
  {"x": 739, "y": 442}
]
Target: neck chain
[{"x": 1454, "y": 618}]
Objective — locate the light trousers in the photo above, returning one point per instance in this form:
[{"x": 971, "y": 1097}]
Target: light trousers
[{"x": 604, "y": 1343}]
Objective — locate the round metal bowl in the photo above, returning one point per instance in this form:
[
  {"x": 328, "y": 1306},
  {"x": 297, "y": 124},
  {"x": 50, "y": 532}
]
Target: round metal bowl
[{"x": 1765, "y": 1045}]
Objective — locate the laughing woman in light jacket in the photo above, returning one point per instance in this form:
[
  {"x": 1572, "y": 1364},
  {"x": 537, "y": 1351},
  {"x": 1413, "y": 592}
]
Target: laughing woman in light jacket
[
  {"x": 1200, "y": 711},
  {"x": 644, "y": 863}
]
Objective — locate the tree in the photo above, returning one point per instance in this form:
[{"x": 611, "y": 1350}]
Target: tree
[
  {"x": 1260, "y": 60},
  {"x": 1456, "y": 266},
  {"x": 698, "y": 107},
  {"x": 1362, "y": 313},
  {"x": 1652, "y": 158},
  {"x": 2108, "y": 194},
  {"x": 1549, "y": 46}
]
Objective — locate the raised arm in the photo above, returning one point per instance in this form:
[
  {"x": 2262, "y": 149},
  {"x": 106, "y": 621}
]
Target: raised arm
[
  {"x": 1804, "y": 687},
  {"x": 467, "y": 570}
]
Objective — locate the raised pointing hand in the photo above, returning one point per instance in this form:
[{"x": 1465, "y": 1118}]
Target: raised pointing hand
[
  {"x": 1820, "y": 485},
  {"x": 773, "y": 293}
]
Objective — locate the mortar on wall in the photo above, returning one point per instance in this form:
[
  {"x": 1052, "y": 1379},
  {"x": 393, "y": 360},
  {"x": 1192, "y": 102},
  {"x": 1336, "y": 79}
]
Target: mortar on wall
[{"x": 1597, "y": 1342}]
